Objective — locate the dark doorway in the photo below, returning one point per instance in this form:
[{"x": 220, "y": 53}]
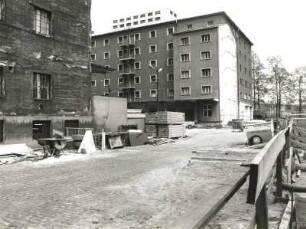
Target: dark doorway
[
  {"x": 189, "y": 115},
  {"x": 71, "y": 124},
  {"x": 41, "y": 129},
  {"x": 1, "y": 131}
]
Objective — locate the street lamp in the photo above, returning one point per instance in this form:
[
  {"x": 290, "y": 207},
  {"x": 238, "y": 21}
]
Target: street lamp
[{"x": 156, "y": 70}]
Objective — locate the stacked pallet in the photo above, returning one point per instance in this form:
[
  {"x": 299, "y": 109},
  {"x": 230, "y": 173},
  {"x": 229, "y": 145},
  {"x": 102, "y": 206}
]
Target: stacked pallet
[{"x": 165, "y": 124}]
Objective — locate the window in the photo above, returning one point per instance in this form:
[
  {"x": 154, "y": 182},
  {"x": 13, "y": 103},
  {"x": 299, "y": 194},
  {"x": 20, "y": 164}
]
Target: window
[
  {"x": 42, "y": 22},
  {"x": 137, "y": 80},
  {"x": 106, "y": 55},
  {"x": 152, "y": 34},
  {"x": 115, "y": 21},
  {"x": 206, "y": 72},
  {"x": 93, "y": 44},
  {"x": 185, "y": 90},
  {"x": 207, "y": 110},
  {"x": 120, "y": 81},
  {"x": 135, "y": 17},
  {"x": 120, "y": 94},
  {"x": 120, "y": 53},
  {"x": 169, "y": 77},
  {"x": 170, "y": 46},
  {"x": 241, "y": 82},
  {"x": 205, "y": 55},
  {"x": 150, "y": 19},
  {"x": 128, "y": 18},
  {"x": 135, "y": 23},
  {"x": 93, "y": 57},
  {"x": 106, "y": 42},
  {"x": 137, "y": 51},
  {"x": 170, "y": 92},
  {"x": 150, "y": 14},
  {"x": 93, "y": 83},
  {"x": 120, "y": 40},
  {"x": 189, "y": 26},
  {"x": 41, "y": 86},
  {"x": 205, "y": 38},
  {"x": 153, "y": 78},
  {"x": 137, "y": 65},
  {"x": 137, "y": 94},
  {"x": 142, "y": 15},
  {"x": 153, "y": 48},
  {"x": 41, "y": 129},
  {"x": 157, "y": 18},
  {"x": 115, "y": 27},
  {"x": 157, "y": 12},
  {"x": 128, "y": 24},
  {"x": 210, "y": 23},
  {"x": 153, "y": 93},
  {"x": 1, "y": 10},
  {"x": 106, "y": 82},
  {"x": 240, "y": 67},
  {"x": 137, "y": 37},
  {"x": 142, "y": 21},
  {"x": 245, "y": 71},
  {"x": 185, "y": 74},
  {"x": 206, "y": 89},
  {"x": 2, "y": 88},
  {"x": 169, "y": 61},
  {"x": 184, "y": 41},
  {"x": 120, "y": 67},
  {"x": 153, "y": 63},
  {"x": 170, "y": 30},
  {"x": 121, "y": 19},
  {"x": 185, "y": 57}
]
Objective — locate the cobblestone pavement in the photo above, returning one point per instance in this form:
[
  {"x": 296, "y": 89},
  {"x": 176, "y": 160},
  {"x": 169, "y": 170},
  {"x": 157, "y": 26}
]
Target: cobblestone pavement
[{"x": 135, "y": 187}]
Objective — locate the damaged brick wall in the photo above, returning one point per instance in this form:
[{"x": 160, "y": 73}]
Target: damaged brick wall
[{"x": 63, "y": 54}]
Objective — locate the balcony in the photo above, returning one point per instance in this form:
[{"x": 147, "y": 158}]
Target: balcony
[
  {"x": 128, "y": 57},
  {"x": 127, "y": 86},
  {"x": 127, "y": 44},
  {"x": 127, "y": 72}
]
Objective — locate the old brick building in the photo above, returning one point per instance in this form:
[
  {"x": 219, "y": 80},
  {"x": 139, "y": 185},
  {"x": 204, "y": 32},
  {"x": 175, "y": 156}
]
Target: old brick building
[
  {"x": 44, "y": 67},
  {"x": 205, "y": 62}
]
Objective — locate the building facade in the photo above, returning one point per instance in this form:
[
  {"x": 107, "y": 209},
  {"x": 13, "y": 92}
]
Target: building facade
[
  {"x": 44, "y": 67},
  {"x": 199, "y": 65}
]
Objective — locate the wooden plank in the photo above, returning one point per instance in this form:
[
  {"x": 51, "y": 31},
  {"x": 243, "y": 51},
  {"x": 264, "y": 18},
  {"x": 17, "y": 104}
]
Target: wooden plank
[
  {"x": 300, "y": 208},
  {"x": 201, "y": 216},
  {"x": 262, "y": 220},
  {"x": 286, "y": 218},
  {"x": 262, "y": 165}
]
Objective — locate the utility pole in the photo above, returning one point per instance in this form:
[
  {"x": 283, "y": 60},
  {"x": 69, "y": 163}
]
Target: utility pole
[{"x": 300, "y": 93}]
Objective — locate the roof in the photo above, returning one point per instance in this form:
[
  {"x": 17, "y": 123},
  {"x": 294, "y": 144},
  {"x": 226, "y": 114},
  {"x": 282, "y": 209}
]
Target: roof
[{"x": 221, "y": 13}]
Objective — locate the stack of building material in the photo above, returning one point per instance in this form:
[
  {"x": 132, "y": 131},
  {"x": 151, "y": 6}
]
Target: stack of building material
[{"x": 165, "y": 124}]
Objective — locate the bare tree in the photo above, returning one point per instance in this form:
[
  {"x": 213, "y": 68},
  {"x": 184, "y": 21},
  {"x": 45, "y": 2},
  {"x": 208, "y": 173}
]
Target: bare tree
[
  {"x": 299, "y": 75},
  {"x": 259, "y": 80}
]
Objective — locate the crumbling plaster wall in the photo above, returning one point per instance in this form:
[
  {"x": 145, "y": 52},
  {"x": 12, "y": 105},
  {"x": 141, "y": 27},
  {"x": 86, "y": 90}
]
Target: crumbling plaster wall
[{"x": 64, "y": 55}]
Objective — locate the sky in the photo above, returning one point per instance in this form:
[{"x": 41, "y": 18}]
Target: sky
[{"x": 275, "y": 27}]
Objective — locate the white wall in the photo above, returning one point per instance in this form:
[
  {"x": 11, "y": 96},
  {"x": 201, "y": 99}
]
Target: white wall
[{"x": 227, "y": 74}]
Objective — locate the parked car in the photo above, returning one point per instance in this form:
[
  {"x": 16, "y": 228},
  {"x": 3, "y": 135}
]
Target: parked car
[{"x": 189, "y": 124}]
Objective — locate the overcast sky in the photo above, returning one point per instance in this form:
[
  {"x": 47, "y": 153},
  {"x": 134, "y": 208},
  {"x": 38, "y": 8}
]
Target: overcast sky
[{"x": 276, "y": 27}]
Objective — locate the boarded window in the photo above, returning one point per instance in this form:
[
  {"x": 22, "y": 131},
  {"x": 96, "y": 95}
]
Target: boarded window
[
  {"x": 41, "y": 129},
  {"x": 2, "y": 88},
  {"x": 41, "y": 86},
  {"x": 42, "y": 22}
]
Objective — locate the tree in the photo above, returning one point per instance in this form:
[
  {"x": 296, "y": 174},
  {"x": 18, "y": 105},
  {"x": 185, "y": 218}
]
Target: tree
[
  {"x": 280, "y": 81},
  {"x": 299, "y": 75},
  {"x": 259, "y": 80}
]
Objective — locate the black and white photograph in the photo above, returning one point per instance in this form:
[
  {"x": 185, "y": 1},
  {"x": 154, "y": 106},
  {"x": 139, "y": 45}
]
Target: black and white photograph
[{"x": 138, "y": 114}]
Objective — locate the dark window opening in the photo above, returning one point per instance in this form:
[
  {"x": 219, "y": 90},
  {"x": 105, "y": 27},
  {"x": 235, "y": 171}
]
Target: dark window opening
[
  {"x": 71, "y": 124},
  {"x": 41, "y": 129}
]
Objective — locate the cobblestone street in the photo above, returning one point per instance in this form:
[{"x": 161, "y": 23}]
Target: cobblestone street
[{"x": 139, "y": 187}]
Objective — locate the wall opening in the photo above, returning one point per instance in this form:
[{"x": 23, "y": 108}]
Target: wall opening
[
  {"x": 41, "y": 129},
  {"x": 1, "y": 131}
]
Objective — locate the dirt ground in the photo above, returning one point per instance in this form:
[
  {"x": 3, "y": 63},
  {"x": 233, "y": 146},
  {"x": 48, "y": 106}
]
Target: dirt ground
[{"x": 135, "y": 187}]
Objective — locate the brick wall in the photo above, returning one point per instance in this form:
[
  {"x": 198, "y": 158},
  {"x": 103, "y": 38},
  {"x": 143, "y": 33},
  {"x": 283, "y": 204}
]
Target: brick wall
[{"x": 64, "y": 55}]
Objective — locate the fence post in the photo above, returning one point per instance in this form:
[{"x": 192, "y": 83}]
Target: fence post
[
  {"x": 279, "y": 173},
  {"x": 103, "y": 141},
  {"x": 262, "y": 220}
]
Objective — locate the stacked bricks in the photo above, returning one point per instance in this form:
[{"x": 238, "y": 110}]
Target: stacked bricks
[{"x": 165, "y": 124}]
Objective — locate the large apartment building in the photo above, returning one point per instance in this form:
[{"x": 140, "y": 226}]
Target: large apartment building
[
  {"x": 199, "y": 65},
  {"x": 44, "y": 67}
]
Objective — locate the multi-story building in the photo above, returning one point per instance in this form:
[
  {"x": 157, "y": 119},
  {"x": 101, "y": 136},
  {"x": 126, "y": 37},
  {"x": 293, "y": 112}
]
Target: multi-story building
[
  {"x": 44, "y": 67},
  {"x": 144, "y": 19},
  {"x": 199, "y": 65}
]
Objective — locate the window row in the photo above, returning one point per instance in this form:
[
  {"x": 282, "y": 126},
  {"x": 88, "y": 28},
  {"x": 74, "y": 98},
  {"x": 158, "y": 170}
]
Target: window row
[
  {"x": 204, "y": 72},
  {"x": 140, "y": 22},
  {"x": 204, "y": 55},
  {"x": 245, "y": 96},
  {"x": 204, "y": 38},
  {"x": 245, "y": 83},
  {"x": 152, "y": 93},
  {"x": 205, "y": 89}
]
